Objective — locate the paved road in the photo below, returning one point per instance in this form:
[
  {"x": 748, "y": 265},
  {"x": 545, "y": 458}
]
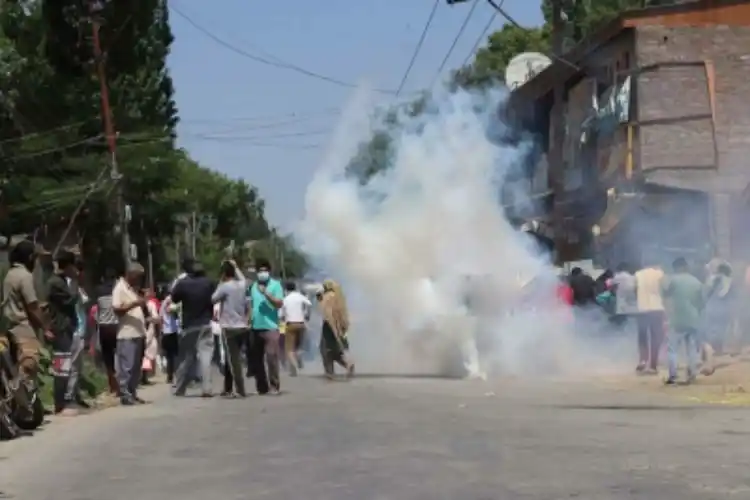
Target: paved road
[{"x": 388, "y": 438}]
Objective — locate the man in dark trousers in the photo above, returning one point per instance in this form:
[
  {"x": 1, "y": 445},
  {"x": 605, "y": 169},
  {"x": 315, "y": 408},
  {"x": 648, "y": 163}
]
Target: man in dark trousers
[
  {"x": 62, "y": 302},
  {"x": 194, "y": 293},
  {"x": 267, "y": 296},
  {"x": 106, "y": 323},
  {"x": 233, "y": 318}
]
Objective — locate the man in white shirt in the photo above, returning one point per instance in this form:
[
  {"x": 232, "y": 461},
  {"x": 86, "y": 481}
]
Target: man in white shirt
[
  {"x": 650, "y": 318},
  {"x": 295, "y": 311},
  {"x": 130, "y": 306}
]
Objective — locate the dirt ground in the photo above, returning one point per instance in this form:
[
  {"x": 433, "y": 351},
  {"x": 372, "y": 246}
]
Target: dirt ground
[{"x": 729, "y": 384}]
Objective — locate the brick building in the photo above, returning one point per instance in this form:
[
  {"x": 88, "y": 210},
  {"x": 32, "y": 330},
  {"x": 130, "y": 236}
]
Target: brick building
[{"x": 657, "y": 120}]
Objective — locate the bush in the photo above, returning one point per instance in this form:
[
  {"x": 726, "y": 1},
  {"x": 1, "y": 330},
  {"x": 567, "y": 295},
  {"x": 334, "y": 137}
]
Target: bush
[{"x": 93, "y": 380}]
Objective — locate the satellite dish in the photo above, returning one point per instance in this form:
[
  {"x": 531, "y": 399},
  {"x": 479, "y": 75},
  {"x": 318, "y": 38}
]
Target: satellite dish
[{"x": 524, "y": 67}]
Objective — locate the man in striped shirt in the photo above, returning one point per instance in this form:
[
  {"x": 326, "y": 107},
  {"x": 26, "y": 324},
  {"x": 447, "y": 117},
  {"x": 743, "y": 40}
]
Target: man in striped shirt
[{"x": 106, "y": 322}]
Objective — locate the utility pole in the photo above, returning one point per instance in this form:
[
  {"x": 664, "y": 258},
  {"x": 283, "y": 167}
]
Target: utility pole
[
  {"x": 193, "y": 234},
  {"x": 556, "y": 172},
  {"x": 177, "y": 256},
  {"x": 95, "y": 9}
]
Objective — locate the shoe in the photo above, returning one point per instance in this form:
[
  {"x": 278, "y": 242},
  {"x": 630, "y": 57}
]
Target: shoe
[
  {"x": 140, "y": 401},
  {"x": 68, "y": 412},
  {"x": 671, "y": 381},
  {"x": 127, "y": 401},
  {"x": 691, "y": 377},
  {"x": 207, "y": 395},
  {"x": 641, "y": 367}
]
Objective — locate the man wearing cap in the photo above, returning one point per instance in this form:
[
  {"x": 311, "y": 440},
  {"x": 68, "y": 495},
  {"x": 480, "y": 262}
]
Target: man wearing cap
[
  {"x": 194, "y": 294},
  {"x": 130, "y": 307}
]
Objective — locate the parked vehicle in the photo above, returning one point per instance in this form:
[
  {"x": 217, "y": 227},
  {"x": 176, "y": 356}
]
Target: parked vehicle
[{"x": 21, "y": 408}]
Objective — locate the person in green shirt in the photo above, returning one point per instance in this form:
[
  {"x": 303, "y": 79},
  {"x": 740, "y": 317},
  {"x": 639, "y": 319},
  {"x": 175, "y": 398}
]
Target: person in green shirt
[{"x": 683, "y": 297}]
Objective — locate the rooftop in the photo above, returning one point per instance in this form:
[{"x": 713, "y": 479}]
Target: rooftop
[{"x": 695, "y": 13}]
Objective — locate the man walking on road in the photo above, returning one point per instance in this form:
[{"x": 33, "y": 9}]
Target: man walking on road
[
  {"x": 194, "y": 294},
  {"x": 63, "y": 311},
  {"x": 650, "y": 318},
  {"x": 130, "y": 307},
  {"x": 295, "y": 313},
  {"x": 234, "y": 312},
  {"x": 267, "y": 297},
  {"x": 683, "y": 294}
]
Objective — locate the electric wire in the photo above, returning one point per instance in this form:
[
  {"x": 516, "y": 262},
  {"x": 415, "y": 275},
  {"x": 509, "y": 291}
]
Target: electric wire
[
  {"x": 499, "y": 8},
  {"x": 418, "y": 48},
  {"x": 455, "y": 42},
  {"x": 263, "y": 60},
  {"x": 480, "y": 38},
  {"x": 82, "y": 203}
]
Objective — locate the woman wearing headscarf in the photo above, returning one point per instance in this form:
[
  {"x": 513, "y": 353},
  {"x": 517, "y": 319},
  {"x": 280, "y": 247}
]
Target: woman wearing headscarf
[
  {"x": 719, "y": 312},
  {"x": 334, "y": 345}
]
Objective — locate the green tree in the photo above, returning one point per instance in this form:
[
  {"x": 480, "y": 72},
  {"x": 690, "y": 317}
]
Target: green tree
[
  {"x": 51, "y": 145},
  {"x": 488, "y": 66}
]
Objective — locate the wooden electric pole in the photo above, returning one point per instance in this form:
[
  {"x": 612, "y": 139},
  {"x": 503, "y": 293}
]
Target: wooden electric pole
[
  {"x": 95, "y": 9},
  {"x": 557, "y": 143}
]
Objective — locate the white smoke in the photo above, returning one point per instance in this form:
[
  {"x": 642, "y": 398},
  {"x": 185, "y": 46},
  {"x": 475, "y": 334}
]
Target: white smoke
[{"x": 424, "y": 250}]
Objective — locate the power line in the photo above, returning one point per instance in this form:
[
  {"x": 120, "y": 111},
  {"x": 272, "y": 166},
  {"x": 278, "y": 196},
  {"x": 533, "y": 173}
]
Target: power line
[
  {"x": 499, "y": 8},
  {"x": 455, "y": 41},
  {"x": 43, "y": 152},
  {"x": 277, "y": 64},
  {"x": 481, "y": 38},
  {"x": 418, "y": 47},
  {"x": 293, "y": 115},
  {"x": 249, "y": 142}
]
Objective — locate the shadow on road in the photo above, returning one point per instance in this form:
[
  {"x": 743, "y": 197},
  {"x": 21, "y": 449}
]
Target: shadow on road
[
  {"x": 394, "y": 376},
  {"x": 625, "y": 407}
]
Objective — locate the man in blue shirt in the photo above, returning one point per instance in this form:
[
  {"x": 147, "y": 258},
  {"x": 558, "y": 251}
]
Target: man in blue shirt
[{"x": 267, "y": 296}]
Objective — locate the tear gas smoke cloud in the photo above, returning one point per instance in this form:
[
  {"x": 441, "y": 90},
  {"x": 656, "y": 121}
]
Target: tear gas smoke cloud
[{"x": 426, "y": 254}]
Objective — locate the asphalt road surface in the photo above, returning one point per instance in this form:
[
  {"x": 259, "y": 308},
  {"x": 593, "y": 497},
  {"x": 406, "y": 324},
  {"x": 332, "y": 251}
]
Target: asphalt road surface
[{"x": 380, "y": 438}]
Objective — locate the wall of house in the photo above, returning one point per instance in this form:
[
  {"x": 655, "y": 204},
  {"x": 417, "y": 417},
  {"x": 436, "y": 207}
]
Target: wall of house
[{"x": 696, "y": 111}]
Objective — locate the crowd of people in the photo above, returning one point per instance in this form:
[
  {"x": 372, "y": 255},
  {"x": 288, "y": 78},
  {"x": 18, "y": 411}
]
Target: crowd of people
[
  {"x": 684, "y": 308},
  {"x": 247, "y": 326}
]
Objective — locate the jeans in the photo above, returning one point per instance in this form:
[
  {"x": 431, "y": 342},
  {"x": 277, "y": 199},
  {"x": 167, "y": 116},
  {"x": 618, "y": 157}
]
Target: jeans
[
  {"x": 196, "y": 345},
  {"x": 129, "y": 363},
  {"x": 264, "y": 360},
  {"x": 76, "y": 366},
  {"x": 650, "y": 337},
  {"x": 689, "y": 337},
  {"x": 233, "y": 375}
]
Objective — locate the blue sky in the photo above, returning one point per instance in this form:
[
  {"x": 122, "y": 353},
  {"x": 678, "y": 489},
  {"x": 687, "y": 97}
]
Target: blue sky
[{"x": 270, "y": 125}]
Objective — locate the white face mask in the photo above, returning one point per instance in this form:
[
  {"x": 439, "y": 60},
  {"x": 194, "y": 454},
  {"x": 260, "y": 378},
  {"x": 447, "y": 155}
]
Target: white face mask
[{"x": 263, "y": 276}]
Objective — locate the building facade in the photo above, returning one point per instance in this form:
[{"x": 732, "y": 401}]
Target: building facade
[{"x": 657, "y": 135}]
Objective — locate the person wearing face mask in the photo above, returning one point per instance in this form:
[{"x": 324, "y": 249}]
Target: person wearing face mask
[
  {"x": 63, "y": 301},
  {"x": 267, "y": 296}
]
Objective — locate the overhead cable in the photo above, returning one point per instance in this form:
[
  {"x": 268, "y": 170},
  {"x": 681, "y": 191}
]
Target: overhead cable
[
  {"x": 418, "y": 48},
  {"x": 455, "y": 42},
  {"x": 277, "y": 63}
]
